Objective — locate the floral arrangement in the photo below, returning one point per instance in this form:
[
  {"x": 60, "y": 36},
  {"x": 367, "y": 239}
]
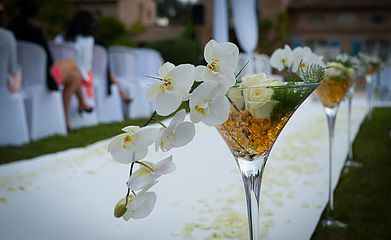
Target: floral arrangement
[
  {"x": 299, "y": 64},
  {"x": 339, "y": 71},
  {"x": 206, "y": 89},
  {"x": 372, "y": 64}
]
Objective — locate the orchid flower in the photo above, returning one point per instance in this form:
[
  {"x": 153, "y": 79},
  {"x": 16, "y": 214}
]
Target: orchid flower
[
  {"x": 303, "y": 57},
  {"x": 281, "y": 58},
  {"x": 222, "y": 61},
  {"x": 136, "y": 207},
  {"x": 146, "y": 176},
  {"x": 174, "y": 87},
  {"x": 133, "y": 144},
  {"x": 177, "y": 134},
  {"x": 208, "y": 105}
]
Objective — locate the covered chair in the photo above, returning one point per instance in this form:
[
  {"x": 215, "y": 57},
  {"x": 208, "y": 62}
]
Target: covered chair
[
  {"x": 78, "y": 120},
  {"x": 13, "y": 120},
  {"x": 45, "y": 111},
  {"x": 123, "y": 65},
  {"x": 108, "y": 106}
]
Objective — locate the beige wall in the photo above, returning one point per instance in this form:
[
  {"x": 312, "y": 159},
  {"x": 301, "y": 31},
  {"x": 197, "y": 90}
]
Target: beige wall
[
  {"x": 137, "y": 11},
  {"x": 128, "y": 11}
]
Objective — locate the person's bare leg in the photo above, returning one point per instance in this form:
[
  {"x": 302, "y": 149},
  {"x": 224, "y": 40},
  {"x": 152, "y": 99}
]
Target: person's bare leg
[
  {"x": 125, "y": 97},
  {"x": 71, "y": 81},
  {"x": 83, "y": 106}
]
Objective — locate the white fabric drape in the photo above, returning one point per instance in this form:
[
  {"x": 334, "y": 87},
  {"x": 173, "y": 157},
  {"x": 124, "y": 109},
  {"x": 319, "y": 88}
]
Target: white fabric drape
[
  {"x": 246, "y": 27},
  {"x": 220, "y": 21}
]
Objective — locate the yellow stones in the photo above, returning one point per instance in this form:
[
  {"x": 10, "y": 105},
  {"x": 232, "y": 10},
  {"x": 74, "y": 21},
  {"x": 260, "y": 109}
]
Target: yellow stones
[
  {"x": 245, "y": 134},
  {"x": 331, "y": 91}
]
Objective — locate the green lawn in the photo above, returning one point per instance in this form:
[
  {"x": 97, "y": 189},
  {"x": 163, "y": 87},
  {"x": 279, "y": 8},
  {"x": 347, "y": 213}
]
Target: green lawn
[{"x": 363, "y": 195}]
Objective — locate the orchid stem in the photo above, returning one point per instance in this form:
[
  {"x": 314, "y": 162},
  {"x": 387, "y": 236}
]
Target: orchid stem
[
  {"x": 150, "y": 119},
  {"x": 157, "y": 121},
  {"x": 130, "y": 174}
]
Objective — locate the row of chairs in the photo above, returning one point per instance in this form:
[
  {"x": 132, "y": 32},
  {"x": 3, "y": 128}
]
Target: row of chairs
[{"x": 37, "y": 112}]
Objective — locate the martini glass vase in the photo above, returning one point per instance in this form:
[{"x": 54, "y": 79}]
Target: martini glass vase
[
  {"x": 370, "y": 90},
  {"x": 257, "y": 116},
  {"x": 350, "y": 162},
  {"x": 330, "y": 93}
]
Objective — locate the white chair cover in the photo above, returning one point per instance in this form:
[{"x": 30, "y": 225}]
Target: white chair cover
[
  {"x": 108, "y": 106},
  {"x": 13, "y": 120},
  {"x": 124, "y": 66},
  {"x": 148, "y": 62},
  {"x": 246, "y": 27},
  {"x": 66, "y": 51},
  {"x": 45, "y": 113},
  {"x": 385, "y": 83},
  {"x": 220, "y": 21}
]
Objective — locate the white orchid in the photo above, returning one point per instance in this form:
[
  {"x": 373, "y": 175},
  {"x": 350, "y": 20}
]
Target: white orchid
[
  {"x": 222, "y": 61},
  {"x": 303, "y": 57},
  {"x": 137, "y": 207},
  {"x": 281, "y": 58},
  {"x": 133, "y": 144},
  {"x": 174, "y": 87},
  {"x": 177, "y": 134},
  {"x": 146, "y": 176},
  {"x": 208, "y": 105}
]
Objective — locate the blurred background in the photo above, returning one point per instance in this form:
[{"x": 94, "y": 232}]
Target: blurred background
[{"x": 172, "y": 26}]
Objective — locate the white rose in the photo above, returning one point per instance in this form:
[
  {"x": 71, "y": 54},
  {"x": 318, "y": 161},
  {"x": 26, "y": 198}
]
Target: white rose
[
  {"x": 257, "y": 97},
  {"x": 351, "y": 73}
]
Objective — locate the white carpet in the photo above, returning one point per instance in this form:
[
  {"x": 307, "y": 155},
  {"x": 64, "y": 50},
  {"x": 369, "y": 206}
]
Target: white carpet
[{"x": 71, "y": 194}]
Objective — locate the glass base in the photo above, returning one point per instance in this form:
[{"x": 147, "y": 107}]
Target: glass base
[
  {"x": 353, "y": 164},
  {"x": 332, "y": 223}
]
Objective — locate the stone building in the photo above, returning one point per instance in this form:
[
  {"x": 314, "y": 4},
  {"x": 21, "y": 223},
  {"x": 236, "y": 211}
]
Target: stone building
[
  {"x": 344, "y": 25},
  {"x": 128, "y": 11}
]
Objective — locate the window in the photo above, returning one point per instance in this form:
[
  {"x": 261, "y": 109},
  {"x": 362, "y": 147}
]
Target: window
[
  {"x": 346, "y": 19},
  {"x": 316, "y": 21},
  {"x": 378, "y": 19}
]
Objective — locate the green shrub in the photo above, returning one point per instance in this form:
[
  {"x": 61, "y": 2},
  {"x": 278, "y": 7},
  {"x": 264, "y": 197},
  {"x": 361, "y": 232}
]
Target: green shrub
[
  {"x": 177, "y": 51},
  {"x": 111, "y": 29},
  {"x": 136, "y": 28}
]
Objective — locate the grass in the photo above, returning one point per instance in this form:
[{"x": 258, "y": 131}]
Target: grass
[{"x": 363, "y": 195}]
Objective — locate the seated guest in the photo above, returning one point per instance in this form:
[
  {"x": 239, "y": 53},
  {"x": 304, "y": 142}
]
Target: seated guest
[
  {"x": 79, "y": 34},
  {"x": 64, "y": 72}
]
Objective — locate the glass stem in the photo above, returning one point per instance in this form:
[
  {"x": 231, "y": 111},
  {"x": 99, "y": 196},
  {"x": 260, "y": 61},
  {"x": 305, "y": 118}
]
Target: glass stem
[
  {"x": 331, "y": 114},
  {"x": 252, "y": 178},
  {"x": 369, "y": 81},
  {"x": 350, "y": 98}
]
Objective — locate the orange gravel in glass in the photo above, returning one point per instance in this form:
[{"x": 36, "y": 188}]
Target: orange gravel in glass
[
  {"x": 246, "y": 135},
  {"x": 331, "y": 91}
]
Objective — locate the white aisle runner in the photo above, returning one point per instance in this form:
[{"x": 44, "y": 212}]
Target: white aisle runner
[{"x": 71, "y": 194}]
